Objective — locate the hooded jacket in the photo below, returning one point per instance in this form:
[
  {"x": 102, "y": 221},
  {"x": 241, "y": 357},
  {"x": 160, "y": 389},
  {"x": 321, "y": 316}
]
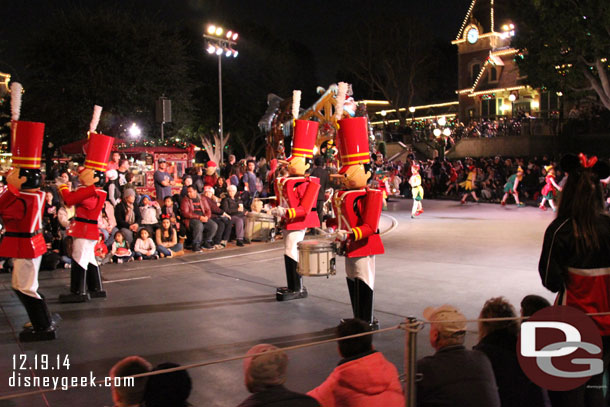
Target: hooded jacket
[{"x": 366, "y": 381}]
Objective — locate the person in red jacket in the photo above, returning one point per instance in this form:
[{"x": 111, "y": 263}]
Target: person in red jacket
[
  {"x": 89, "y": 197},
  {"x": 357, "y": 209},
  {"x": 297, "y": 195},
  {"x": 21, "y": 209},
  {"x": 364, "y": 377}
]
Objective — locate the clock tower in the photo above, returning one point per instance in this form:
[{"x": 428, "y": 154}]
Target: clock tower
[{"x": 489, "y": 84}]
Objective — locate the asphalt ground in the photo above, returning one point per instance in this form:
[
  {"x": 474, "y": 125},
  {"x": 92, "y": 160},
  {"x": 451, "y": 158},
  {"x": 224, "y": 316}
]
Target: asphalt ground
[{"x": 216, "y": 305}]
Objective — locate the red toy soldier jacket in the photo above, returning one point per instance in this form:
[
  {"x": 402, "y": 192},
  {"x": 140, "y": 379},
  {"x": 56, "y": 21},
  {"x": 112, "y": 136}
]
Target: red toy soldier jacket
[
  {"x": 358, "y": 211},
  {"x": 298, "y": 195},
  {"x": 89, "y": 202},
  {"x": 22, "y": 214}
]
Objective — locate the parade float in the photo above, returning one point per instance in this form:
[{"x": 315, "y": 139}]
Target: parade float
[{"x": 143, "y": 157}]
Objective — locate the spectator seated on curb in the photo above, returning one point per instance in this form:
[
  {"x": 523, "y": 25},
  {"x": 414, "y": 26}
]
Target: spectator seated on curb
[
  {"x": 127, "y": 216},
  {"x": 363, "y": 377},
  {"x": 121, "y": 253},
  {"x": 145, "y": 248},
  {"x": 129, "y": 396},
  {"x": 220, "y": 217},
  {"x": 167, "y": 240},
  {"x": 265, "y": 375},
  {"x": 168, "y": 389},
  {"x": 150, "y": 211},
  {"x": 498, "y": 340},
  {"x": 234, "y": 207},
  {"x": 453, "y": 376},
  {"x": 196, "y": 216}
]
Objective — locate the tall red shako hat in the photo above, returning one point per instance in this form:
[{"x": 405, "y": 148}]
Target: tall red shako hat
[
  {"x": 353, "y": 142},
  {"x": 305, "y": 131},
  {"x": 99, "y": 146},
  {"x": 304, "y": 138},
  {"x": 26, "y": 137}
]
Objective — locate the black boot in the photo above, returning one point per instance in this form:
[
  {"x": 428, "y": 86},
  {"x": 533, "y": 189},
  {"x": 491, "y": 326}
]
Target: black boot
[
  {"x": 295, "y": 289},
  {"x": 78, "y": 285},
  {"x": 351, "y": 286},
  {"x": 43, "y": 326},
  {"x": 94, "y": 282},
  {"x": 364, "y": 304}
]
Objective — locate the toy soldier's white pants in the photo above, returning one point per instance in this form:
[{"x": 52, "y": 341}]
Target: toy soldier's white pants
[
  {"x": 291, "y": 238},
  {"x": 25, "y": 276},
  {"x": 362, "y": 268},
  {"x": 83, "y": 252}
]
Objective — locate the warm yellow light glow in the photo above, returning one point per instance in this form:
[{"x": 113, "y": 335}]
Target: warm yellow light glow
[
  {"x": 211, "y": 29},
  {"x": 512, "y": 97},
  {"x": 498, "y": 90},
  {"x": 412, "y": 109},
  {"x": 505, "y": 108},
  {"x": 437, "y": 132},
  {"x": 535, "y": 105},
  {"x": 560, "y": 94},
  {"x": 442, "y": 121},
  {"x": 219, "y": 30},
  {"x": 486, "y": 35},
  {"x": 374, "y": 102},
  {"x": 505, "y": 27},
  {"x": 384, "y": 113},
  {"x": 415, "y": 118}
]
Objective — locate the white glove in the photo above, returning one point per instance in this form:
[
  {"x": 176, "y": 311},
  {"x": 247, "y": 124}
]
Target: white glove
[
  {"x": 342, "y": 235},
  {"x": 278, "y": 211}
]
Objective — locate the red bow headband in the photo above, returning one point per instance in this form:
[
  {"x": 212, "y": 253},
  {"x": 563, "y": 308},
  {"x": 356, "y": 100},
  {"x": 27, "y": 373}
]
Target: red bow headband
[{"x": 587, "y": 162}]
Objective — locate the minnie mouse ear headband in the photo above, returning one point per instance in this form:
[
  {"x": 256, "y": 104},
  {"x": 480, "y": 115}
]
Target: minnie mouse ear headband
[{"x": 571, "y": 163}]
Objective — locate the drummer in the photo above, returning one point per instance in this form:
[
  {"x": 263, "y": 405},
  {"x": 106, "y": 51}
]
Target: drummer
[
  {"x": 297, "y": 195},
  {"x": 357, "y": 209}
]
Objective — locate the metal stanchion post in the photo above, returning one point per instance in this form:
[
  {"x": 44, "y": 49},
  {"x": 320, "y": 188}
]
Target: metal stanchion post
[{"x": 410, "y": 359}]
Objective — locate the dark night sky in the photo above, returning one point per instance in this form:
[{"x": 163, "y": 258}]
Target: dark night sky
[{"x": 319, "y": 24}]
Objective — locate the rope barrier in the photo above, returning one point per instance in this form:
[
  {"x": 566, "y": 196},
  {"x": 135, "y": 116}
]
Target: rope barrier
[
  {"x": 414, "y": 327},
  {"x": 213, "y": 362}
]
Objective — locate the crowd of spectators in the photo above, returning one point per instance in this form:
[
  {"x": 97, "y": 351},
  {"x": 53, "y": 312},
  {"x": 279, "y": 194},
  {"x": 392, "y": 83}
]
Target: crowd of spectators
[
  {"x": 208, "y": 213},
  {"x": 486, "y": 376},
  {"x": 441, "y": 179}
]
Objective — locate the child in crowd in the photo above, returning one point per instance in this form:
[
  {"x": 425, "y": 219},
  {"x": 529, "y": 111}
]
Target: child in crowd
[
  {"x": 120, "y": 249},
  {"x": 145, "y": 247},
  {"x": 101, "y": 251},
  {"x": 167, "y": 239},
  {"x": 150, "y": 211}
]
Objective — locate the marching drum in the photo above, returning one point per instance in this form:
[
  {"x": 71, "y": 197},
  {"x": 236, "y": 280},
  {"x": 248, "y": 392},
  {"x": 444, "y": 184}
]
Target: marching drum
[
  {"x": 316, "y": 258},
  {"x": 259, "y": 226}
]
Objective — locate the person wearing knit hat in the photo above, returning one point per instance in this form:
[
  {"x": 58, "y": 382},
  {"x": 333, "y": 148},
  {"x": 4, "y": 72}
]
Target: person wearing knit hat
[
  {"x": 112, "y": 187},
  {"x": 511, "y": 187},
  {"x": 211, "y": 175},
  {"x": 265, "y": 375},
  {"x": 550, "y": 189},
  {"x": 128, "y": 217}
]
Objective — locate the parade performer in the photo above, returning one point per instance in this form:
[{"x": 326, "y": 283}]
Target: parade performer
[
  {"x": 357, "y": 209},
  {"x": 469, "y": 185},
  {"x": 21, "y": 209},
  {"x": 297, "y": 194},
  {"x": 416, "y": 190},
  {"x": 89, "y": 197},
  {"x": 511, "y": 187},
  {"x": 549, "y": 191}
]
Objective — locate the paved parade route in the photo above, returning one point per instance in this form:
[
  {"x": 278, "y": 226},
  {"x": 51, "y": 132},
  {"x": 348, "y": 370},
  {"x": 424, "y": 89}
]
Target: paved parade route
[{"x": 217, "y": 305}]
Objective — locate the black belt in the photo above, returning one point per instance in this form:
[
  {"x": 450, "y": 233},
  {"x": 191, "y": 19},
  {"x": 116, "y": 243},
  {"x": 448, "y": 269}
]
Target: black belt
[
  {"x": 91, "y": 222},
  {"x": 23, "y": 235}
]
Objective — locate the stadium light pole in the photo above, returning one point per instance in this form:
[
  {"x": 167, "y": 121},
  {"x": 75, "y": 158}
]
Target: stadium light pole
[{"x": 220, "y": 44}]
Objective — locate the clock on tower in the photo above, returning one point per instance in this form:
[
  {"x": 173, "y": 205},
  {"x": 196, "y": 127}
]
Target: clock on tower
[{"x": 472, "y": 34}]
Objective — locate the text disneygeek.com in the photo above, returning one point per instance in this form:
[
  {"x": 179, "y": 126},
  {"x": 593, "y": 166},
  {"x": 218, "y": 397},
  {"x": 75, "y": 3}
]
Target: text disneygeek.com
[{"x": 17, "y": 380}]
